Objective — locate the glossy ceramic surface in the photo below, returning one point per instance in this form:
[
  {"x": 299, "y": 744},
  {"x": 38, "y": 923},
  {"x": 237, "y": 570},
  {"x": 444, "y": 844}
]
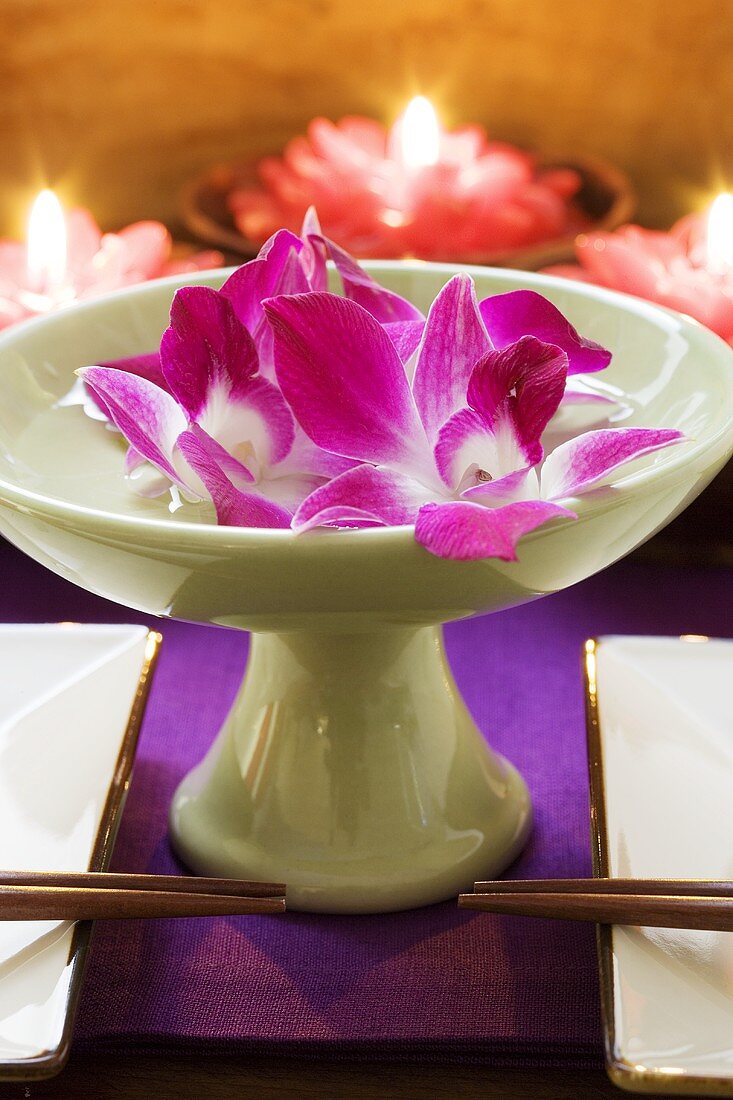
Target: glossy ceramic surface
[
  {"x": 71, "y": 700},
  {"x": 661, "y": 748},
  {"x": 63, "y": 499},
  {"x": 350, "y": 768}
]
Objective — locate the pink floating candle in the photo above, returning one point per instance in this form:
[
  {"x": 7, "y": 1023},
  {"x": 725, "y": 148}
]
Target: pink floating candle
[
  {"x": 67, "y": 258},
  {"x": 690, "y": 268},
  {"x": 415, "y": 190}
]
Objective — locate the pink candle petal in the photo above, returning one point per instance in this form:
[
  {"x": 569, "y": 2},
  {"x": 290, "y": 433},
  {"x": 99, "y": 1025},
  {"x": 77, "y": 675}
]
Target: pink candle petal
[
  {"x": 674, "y": 269},
  {"x": 148, "y": 246}
]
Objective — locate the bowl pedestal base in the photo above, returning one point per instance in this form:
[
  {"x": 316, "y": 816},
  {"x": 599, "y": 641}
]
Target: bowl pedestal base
[{"x": 350, "y": 769}]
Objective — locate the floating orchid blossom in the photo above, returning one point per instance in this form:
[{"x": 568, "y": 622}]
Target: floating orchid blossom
[
  {"x": 276, "y": 270},
  {"x": 218, "y": 428},
  {"x": 464, "y": 531},
  {"x": 506, "y": 318},
  {"x": 291, "y": 265},
  {"x": 287, "y": 264},
  {"x": 455, "y": 451}
]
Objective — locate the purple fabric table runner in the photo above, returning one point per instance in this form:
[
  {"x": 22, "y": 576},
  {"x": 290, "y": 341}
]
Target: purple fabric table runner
[{"x": 431, "y": 983}]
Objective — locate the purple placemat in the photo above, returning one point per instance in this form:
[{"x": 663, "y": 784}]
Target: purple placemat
[{"x": 430, "y": 983}]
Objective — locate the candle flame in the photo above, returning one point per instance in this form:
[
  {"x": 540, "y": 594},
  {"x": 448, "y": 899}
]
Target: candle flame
[
  {"x": 47, "y": 243},
  {"x": 419, "y": 134},
  {"x": 720, "y": 233}
]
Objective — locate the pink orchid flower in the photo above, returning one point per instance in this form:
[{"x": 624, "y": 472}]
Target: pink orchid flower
[
  {"x": 506, "y": 316},
  {"x": 218, "y": 428},
  {"x": 455, "y": 450},
  {"x": 288, "y": 264},
  {"x": 215, "y": 423}
]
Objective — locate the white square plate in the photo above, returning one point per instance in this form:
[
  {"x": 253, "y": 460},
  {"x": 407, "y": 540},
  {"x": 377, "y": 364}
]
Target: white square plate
[
  {"x": 71, "y": 703},
  {"x": 660, "y": 739}
]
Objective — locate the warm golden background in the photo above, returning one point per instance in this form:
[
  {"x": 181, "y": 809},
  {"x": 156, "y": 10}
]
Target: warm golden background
[{"x": 117, "y": 102}]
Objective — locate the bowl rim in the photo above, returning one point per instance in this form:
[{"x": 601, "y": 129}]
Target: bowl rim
[{"x": 671, "y": 459}]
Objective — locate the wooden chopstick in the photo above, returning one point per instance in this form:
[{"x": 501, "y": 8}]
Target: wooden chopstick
[
  {"x": 94, "y": 896},
  {"x": 647, "y": 886},
  {"x": 105, "y": 880},
  {"x": 636, "y": 902}
]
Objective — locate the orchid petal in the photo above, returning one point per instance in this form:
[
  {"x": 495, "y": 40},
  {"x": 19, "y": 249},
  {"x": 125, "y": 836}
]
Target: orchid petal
[
  {"x": 158, "y": 485},
  {"x": 465, "y": 443},
  {"x": 343, "y": 378},
  {"x": 519, "y": 485},
  {"x": 206, "y": 350},
  {"x": 377, "y": 494},
  {"x": 577, "y": 394},
  {"x": 405, "y": 335},
  {"x": 526, "y": 313},
  {"x": 148, "y": 417},
  {"x": 144, "y": 366},
  {"x": 307, "y": 456},
  {"x": 289, "y": 490},
  {"x": 256, "y": 425},
  {"x": 235, "y": 470},
  {"x": 518, "y": 389},
  {"x": 580, "y": 463},
  {"x": 278, "y": 269},
  {"x": 383, "y": 304},
  {"x": 133, "y": 460},
  {"x": 234, "y": 508},
  {"x": 278, "y": 248},
  {"x": 342, "y": 516},
  {"x": 581, "y": 410},
  {"x": 453, "y": 341},
  {"x": 315, "y": 252},
  {"x": 467, "y": 532}
]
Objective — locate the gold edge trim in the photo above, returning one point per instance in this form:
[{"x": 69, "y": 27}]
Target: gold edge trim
[
  {"x": 53, "y": 1061},
  {"x": 622, "y": 1073}
]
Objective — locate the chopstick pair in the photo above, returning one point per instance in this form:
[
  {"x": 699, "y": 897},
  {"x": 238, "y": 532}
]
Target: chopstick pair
[
  {"x": 658, "y": 903},
  {"x": 91, "y": 895}
]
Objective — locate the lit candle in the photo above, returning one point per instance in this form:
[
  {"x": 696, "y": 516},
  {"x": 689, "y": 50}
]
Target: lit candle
[
  {"x": 47, "y": 254},
  {"x": 416, "y": 189},
  {"x": 719, "y": 236},
  {"x": 66, "y": 257},
  {"x": 690, "y": 268},
  {"x": 414, "y": 140}
]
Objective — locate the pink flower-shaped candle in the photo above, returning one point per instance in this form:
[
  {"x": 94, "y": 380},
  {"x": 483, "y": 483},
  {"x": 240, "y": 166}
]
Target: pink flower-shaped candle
[
  {"x": 415, "y": 190},
  {"x": 67, "y": 258},
  {"x": 689, "y": 269}
]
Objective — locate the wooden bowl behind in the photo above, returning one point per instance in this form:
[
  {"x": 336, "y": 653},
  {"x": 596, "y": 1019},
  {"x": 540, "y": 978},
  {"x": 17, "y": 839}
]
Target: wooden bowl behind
[{"x": 606, "y": 196}]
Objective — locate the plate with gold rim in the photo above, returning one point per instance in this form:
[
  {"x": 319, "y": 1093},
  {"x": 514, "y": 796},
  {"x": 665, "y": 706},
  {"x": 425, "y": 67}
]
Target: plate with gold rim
[
  {"x": 72, "y": 699},
  {"x": 660, "y": 741}
]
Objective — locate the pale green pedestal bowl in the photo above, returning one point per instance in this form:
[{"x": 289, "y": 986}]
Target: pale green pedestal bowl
[{"x": 349, "y": 767}]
